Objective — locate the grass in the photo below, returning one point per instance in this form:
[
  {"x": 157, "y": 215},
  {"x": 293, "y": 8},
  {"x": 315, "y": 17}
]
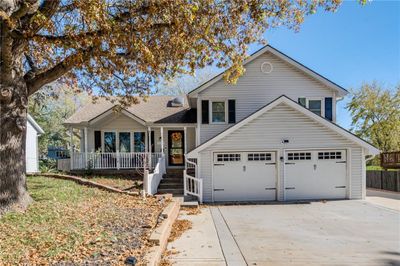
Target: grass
[
  {"x": 377, "y": 167},
  {"x": 72, "y": 224}
]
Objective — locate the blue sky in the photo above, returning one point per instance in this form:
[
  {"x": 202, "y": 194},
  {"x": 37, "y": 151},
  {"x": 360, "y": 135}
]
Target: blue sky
[{"x": 354, "y": 45}]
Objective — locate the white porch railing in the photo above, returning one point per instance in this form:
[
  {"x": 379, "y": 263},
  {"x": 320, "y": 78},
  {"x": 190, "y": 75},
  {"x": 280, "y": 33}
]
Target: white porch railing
[
  {"x": 152, "y": 181},
  {"x": 115, "y": 160},
  {"x": 192, "y": 185}
]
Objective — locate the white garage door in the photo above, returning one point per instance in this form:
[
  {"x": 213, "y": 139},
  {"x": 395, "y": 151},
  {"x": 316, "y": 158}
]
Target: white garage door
[
  {"x": 244, "y": 176},
  {"x": 319, "y": 174}
]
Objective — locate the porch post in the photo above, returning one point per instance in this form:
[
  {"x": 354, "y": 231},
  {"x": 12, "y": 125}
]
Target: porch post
[
  {"x": 162, "y": 139},
  {"x": 149, "y": 149},
  {"x": 86, "y": 148},
  {"x": 71, "y": 148},
  {"x": 196, "y": 132},
  {"x": 117, "y": 148},
  {"x": 185, "y": 141}
]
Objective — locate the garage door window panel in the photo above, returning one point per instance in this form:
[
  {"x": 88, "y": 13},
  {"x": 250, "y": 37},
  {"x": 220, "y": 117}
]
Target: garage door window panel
[
  {"x": 299, "y": 156},
  {"x": 228, "y": 157},
  {"x": 259, "y": 157},
  {"x": 332, "y": 155}
]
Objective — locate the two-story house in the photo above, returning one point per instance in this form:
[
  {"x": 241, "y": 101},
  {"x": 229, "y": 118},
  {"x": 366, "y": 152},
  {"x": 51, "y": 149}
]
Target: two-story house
[{"x": 272, "y": 136}]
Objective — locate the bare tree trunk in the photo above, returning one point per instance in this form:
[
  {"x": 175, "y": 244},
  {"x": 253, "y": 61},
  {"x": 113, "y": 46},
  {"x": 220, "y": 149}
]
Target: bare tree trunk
[{"x": 13, "y": 117}]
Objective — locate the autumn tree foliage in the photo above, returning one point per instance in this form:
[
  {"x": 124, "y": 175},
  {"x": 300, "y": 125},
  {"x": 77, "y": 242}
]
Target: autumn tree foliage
[
  {"x": 119, "y": 47},
  {"x": 375, "y": 112}
]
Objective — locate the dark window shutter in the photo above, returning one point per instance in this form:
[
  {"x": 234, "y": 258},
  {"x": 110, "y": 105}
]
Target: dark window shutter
[
  {"x": 204, "y": 112},
  {"x": 232, "y": 111},
  {"x": 302, "y": 102},
  {"x": 152, "y": 142},
  {"x": 97, "y": 140},
  {"x": 328, "y": 108}
]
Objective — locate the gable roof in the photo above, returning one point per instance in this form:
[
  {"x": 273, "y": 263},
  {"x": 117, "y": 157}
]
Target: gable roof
[
  {"x": 35, "y": 125},
  {"x": 284, "y": 99},
  {"x": 155, "y": 109},
  {"x": 268, "y": 48}
]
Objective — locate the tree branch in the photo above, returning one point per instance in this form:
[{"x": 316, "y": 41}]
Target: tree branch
[
  {"x": 25, "y": 8},
  {"x": 47, "y": 9},
  {"x": 57, "y": 71}
]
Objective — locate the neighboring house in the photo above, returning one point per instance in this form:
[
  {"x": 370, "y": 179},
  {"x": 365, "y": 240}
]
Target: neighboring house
[
  {"x": 272, "y": 136},
  {"x": 33, "y": 130},
  {"x": 54, "y": 152}
]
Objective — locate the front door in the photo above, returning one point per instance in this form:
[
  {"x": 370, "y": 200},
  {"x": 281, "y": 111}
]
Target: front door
[{"x": 176, "y": 147}]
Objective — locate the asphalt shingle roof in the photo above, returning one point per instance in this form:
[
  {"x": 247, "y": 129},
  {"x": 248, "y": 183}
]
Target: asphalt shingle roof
[{"x": 156, "y": 109}]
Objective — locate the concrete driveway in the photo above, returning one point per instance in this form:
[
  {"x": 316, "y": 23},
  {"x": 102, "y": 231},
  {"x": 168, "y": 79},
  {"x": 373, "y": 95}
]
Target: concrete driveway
[{"x": 331, "y": 233}]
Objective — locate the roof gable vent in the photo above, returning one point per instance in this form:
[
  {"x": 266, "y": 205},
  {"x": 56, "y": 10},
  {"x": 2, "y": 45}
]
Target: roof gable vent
[{"x": 178, "y": 101}]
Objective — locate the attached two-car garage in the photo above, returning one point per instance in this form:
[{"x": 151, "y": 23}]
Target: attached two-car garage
[
  {"x": 283, "y": 152},
  {"x": 253, "y": 176}
]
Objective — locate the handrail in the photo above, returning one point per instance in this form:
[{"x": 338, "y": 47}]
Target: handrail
[
  {"x": 191, "y": 165},
  {"x": 192, "y": 186},
  {"x": 152, "y": 181}
]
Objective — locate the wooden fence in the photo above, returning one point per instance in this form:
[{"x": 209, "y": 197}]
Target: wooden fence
[{"x": 388, "y": 180}]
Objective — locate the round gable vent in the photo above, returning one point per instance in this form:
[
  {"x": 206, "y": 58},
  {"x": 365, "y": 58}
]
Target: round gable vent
[{"x": 266, "y": 67}]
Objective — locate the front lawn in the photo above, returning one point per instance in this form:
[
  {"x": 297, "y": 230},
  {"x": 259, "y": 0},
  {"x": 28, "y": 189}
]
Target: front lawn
[{"x": 73, "y": 224}]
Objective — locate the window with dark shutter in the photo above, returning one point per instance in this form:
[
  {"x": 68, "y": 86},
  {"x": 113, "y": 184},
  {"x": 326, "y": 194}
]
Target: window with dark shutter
[
  {"x": 302, "y": 102},
  {"x": 204, "y": 112},
  {"x": 328, "y": 108},
  {"x": 232, "y": 111},
  {"x": 97, "y": 140}
]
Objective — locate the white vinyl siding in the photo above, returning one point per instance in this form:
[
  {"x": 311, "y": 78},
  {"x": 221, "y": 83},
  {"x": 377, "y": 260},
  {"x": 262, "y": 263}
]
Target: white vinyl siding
[
  {"x": 266, "y": 133},
  {"x": 256, "y": 89},
  {"x": 32, "y": 149}
]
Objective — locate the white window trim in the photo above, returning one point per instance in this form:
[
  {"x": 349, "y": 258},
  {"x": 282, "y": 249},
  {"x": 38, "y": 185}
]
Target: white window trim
[
  {"x": 322, "y": 99},
  {"x": 211, "y": 113},
  {"x": 117, "y": 138}
]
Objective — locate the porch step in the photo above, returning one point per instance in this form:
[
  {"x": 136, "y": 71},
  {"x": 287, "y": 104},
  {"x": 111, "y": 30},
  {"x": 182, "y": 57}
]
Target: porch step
[
  {"x": 170, "y": 185},
  {"x": 175, "y": 173},
  {"x": 171, "y": 180},
  {"x": 173, "y": 191},
  {"x": 190, "y": 204},
  {"x": 188, "y": 201}
]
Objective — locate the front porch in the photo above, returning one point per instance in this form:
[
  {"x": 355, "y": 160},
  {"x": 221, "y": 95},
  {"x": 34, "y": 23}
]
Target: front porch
[{"x": 119, "y": 141}]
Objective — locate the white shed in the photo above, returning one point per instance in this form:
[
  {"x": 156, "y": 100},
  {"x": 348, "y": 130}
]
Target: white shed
[{"x": 33, "y": 130}]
